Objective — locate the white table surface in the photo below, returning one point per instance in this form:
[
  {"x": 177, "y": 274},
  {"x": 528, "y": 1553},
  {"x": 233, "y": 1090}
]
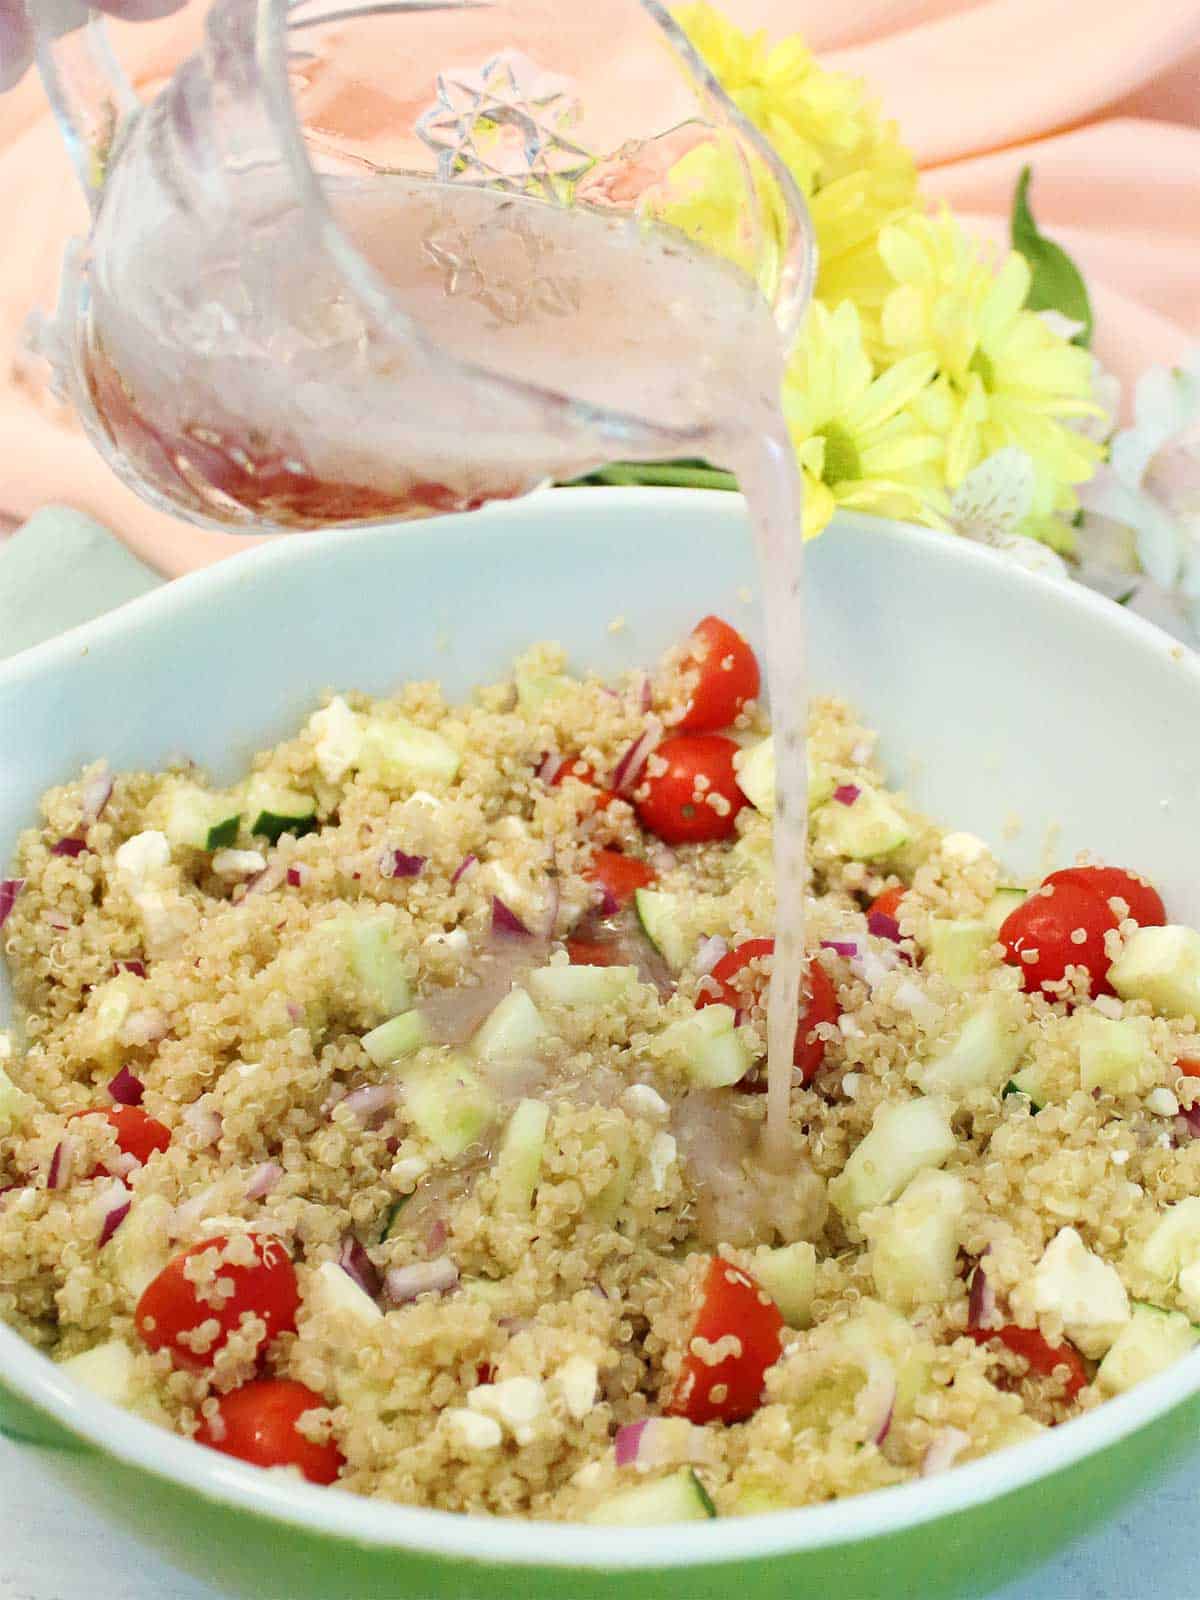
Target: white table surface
[{"x": 52, "y": 1548}]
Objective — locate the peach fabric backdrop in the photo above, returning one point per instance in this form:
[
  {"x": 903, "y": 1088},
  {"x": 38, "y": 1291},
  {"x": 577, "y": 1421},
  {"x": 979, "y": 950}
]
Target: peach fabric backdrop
[{"x": 1102, "y": 98}]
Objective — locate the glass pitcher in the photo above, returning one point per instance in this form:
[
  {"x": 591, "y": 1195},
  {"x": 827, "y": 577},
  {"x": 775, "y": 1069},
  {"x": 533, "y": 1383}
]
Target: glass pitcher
[{"x": 363, "y": 261}]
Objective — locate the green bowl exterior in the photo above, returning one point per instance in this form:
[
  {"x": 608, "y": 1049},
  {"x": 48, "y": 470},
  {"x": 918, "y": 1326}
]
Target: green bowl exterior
[{"x": 963, "y": 1554}]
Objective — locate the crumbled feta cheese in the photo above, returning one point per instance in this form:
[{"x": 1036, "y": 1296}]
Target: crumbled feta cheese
[
  {"x": 106, "y": 1369},
  {"x": 964, "y": 847},
  {"x": 144, "y": 855},
  {"x": 577, "y": 1381},
  {"x": 335, "y": 1290},
  {"x": 456, "y": 940},
  {"x": 165, "y": 920},
  {"x": 474, "y": 1430},
  {"x": 850, "y": 1083},
  {"x": 1085, "y": 1291},
  {"x": 512, "y": 828},
  {"x": 515, "y": 1402},
  {"x": 338, "y": 736},
  {"x": 1120, "y": 1158},
  {"x": 1162, "y": 1103},
  {"x": 661, "y": 1156},
  {"x": 238, "y": 863},
  {"x": 1108, "y": 1005},
  {"x": 640, "y": 1100}
]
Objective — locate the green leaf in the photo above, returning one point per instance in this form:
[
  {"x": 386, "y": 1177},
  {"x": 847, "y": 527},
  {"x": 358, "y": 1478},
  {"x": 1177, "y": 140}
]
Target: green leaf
[
  {"x": 1057, "y": 283},
  {"x": 677, "y": 474}
]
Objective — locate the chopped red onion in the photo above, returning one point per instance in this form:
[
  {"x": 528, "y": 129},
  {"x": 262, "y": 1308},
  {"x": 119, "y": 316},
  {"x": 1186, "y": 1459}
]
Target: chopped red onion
[
  {"x": 1190, "y": 1115},
  {"x": 843, "y": 947},
  {"x": 846, "y": 793},
  {"x": 125, "y": 1089},
  {"x": 876, "y": 1402},
  {"x": 505, "y": 921},
  {"x": 203, "y": 1122},
  {"x": 550, "y": 767},
  {"x": 712, "y": 950},
  {"x": 402, "y": 1284},
  {"x": 607, "y": 903},
  {"x": 263, "y": 1179},
  {"x": 61, "y": 1163},
  {"x": 628, "y": 768},
  {"x": 69, "y": 847},
  {"x": 397, "y": 864},
  {"x": 439, "y": 1232},
  {"x": 112, "y": 1221},
  {"x": 371, "y": 1098},
  {"x": 883, "y": 926},
  {"x": 295, "y": 877},
  {"x": 628, "y": 1442},
  {"x": 944, "y": 1449},
  {"x": 358, "y": 1266},
  {"x": 981, "y": 1306},
  {"x": 295, "y": 1012},
  {"x": 137, "y": 969},
  {"x": 271, "y": 876},
  {"x": 646, "y": 697},
  {"x": 464, "y": 866},
  {"x": 97, "y": 792},
  {"x": 10, "y": 888}
]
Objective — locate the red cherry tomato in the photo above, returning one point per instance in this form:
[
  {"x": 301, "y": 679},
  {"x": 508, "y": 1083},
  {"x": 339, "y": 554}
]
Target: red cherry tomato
[
  {"x": 257, "y": 1423},
  {"x": 887, "y": 904},
  {"x": 1143, "y": 899},
  {"x": 1057, "y": 927},
  {"x": 596, "y": 953},
  {"x": 676, "y": 805},
  {"x": 1042, "y": 1356},
  {"x": 1189, "y": 1068},
  {"x": 822, "y": 1000},
  {"x": 138, "y": 1135},
  {"x": 172, "y": 1305},
  {"x": 733, "y": 1308},
  {"x": 574, "y": 767},
  {"x": 622, "y": 876},
  {"x": 726, "y": 676}
]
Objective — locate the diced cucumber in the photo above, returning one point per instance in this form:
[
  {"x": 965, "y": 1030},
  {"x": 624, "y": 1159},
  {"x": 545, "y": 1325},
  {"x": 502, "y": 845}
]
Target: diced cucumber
[
  {"x": 1161, "y": 965},
  {"x": 754, "y": 770},
  {"x": 275, "y": 808},
  {"x": 1028, "y": 1082},
  {"x": 1113, "y": 1054},
  {"x": 375, "y": 959},
  {"x": 604, "y": 1207},
  {"x": 706, "y": 1046},
  {"x": 876, "y": 1331},
  {"x": 200, "y": 819},
  {"x": 332, "y": 1289},
  {"x": 679, "y": 1498},
  {"x": 660, "y": 916},
  {"x": 955, "y": 947},
  {"x": 535, "y": 688},
  {"x": 754, "y": 852},
  {"x": 140, "y": 1248},
  {"x": 400, "y": 755},
  {"x": 756, "y": 1499},
  {"x": 914, "y": 1241},
  {"x": 870, "y": 827},
  {"x": 519, "y": 1160},
  {"x": 1005, "y": 900},
  {"x": 450, "y": 1104},
  {"x": 1079, "y": 1286},
  {"x": 393, "y": 1041},
  {"x": 903, "y": 1139},
  {"x": 494, "y": 1291},
  {"x": 14, "y": 1103},
  {"x": 1151, "y": 1341},
  {"x": 111, "y": 1003},
  {"x": 514, "y": 1028},
  {"x": 1171, "y": 1255},
  {"x": 106, "y": 1369},
  {"x": 393, "y": 1225},
  {"x": 582, "y": 986},
  {"x": 983, "y": 1053},
  {"x": 789, "y": 1276}
]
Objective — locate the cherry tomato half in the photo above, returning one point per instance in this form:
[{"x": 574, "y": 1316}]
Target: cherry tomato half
[
  {"x": 622, "y": 876},
  {"x": 1142, "y": 898},
  {"x": 596, "y": 953},
  {"x": 257, "y": 1423},
  {"x": 1042, "y": 1356},
  {"x": 726, "y": 672},
  {"x": 574, "y": 767},
  {"x": 734, "y": 1309},
  {"x": 1189, "y": 1067},
  {"x": 677, "y": 805},
  {"x": 138, "y": 1135},
  {"x": 822, "y": 1003},
  {"x": 887, "y": 904},
  {"x": 1060, "y": 925},
  {"x": 172, "y": 1305}
]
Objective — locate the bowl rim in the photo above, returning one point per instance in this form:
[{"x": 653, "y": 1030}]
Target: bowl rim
[{"x": 452, "y": 1536}]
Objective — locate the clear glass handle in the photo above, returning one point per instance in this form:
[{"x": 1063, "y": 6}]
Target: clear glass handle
[{"x": 91, "y": 96}]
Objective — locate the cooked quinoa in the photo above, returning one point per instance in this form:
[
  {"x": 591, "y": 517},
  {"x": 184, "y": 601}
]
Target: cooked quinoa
[{"x": 502, "y": 1223}]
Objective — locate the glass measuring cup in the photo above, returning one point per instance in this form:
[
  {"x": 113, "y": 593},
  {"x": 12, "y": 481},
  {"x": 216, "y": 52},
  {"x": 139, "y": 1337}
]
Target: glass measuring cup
[{"x": 363, "y": 260}]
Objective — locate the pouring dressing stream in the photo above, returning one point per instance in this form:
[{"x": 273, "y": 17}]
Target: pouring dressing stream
[{"x": 285, "y": 319}]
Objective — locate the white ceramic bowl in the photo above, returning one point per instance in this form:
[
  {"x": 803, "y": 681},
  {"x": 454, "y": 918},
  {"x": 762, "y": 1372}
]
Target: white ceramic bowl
[{"x": 1006, "y": 702}]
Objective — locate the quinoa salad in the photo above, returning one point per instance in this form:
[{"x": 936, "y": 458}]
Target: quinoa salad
[{"x": 392, "y": 1118}]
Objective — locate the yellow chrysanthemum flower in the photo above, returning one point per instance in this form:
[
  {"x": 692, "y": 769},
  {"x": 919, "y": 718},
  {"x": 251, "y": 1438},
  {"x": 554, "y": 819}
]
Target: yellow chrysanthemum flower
[
  {"x": 858, "y": 439},
  {"x": 1004, "y": 377}
]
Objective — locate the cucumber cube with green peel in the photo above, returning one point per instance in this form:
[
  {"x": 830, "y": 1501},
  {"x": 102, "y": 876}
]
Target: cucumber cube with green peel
[
  {"x": 582, "y": 986},
  {"x": 679, "y": 1498},
  {"x": 789, "y": 1276},
  {"x": 957, "y": 947},
  {"x": 1160, "y": 965},
  {"x": 869, "y": 827},
  {"x": 274, "y": 808},
  {"x": 514, "y": 1028},
  {"x": 662, "y": 918},
  {"x": 904, "y": 1138},
  {"x": 519, "y": 1159},
  {"x": 1150, "y": 1342},
  {"x": 393, "y": 1041},
  {"x": 981, "y": 1055},
  {"x": 398, "y": 754},
  {"x": 707, "y": 1047},
  {"x": 450, "y": 1104}
]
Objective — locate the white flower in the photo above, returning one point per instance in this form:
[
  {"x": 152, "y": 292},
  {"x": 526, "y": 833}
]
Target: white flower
[
  {"x": 993, "y": 501},
  {"x": 1106, "y": 386}
]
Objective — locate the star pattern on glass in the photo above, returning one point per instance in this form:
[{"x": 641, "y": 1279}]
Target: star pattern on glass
[
  {"x": 505, "y": 124},
  {"x": 504, "y": 265}
]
